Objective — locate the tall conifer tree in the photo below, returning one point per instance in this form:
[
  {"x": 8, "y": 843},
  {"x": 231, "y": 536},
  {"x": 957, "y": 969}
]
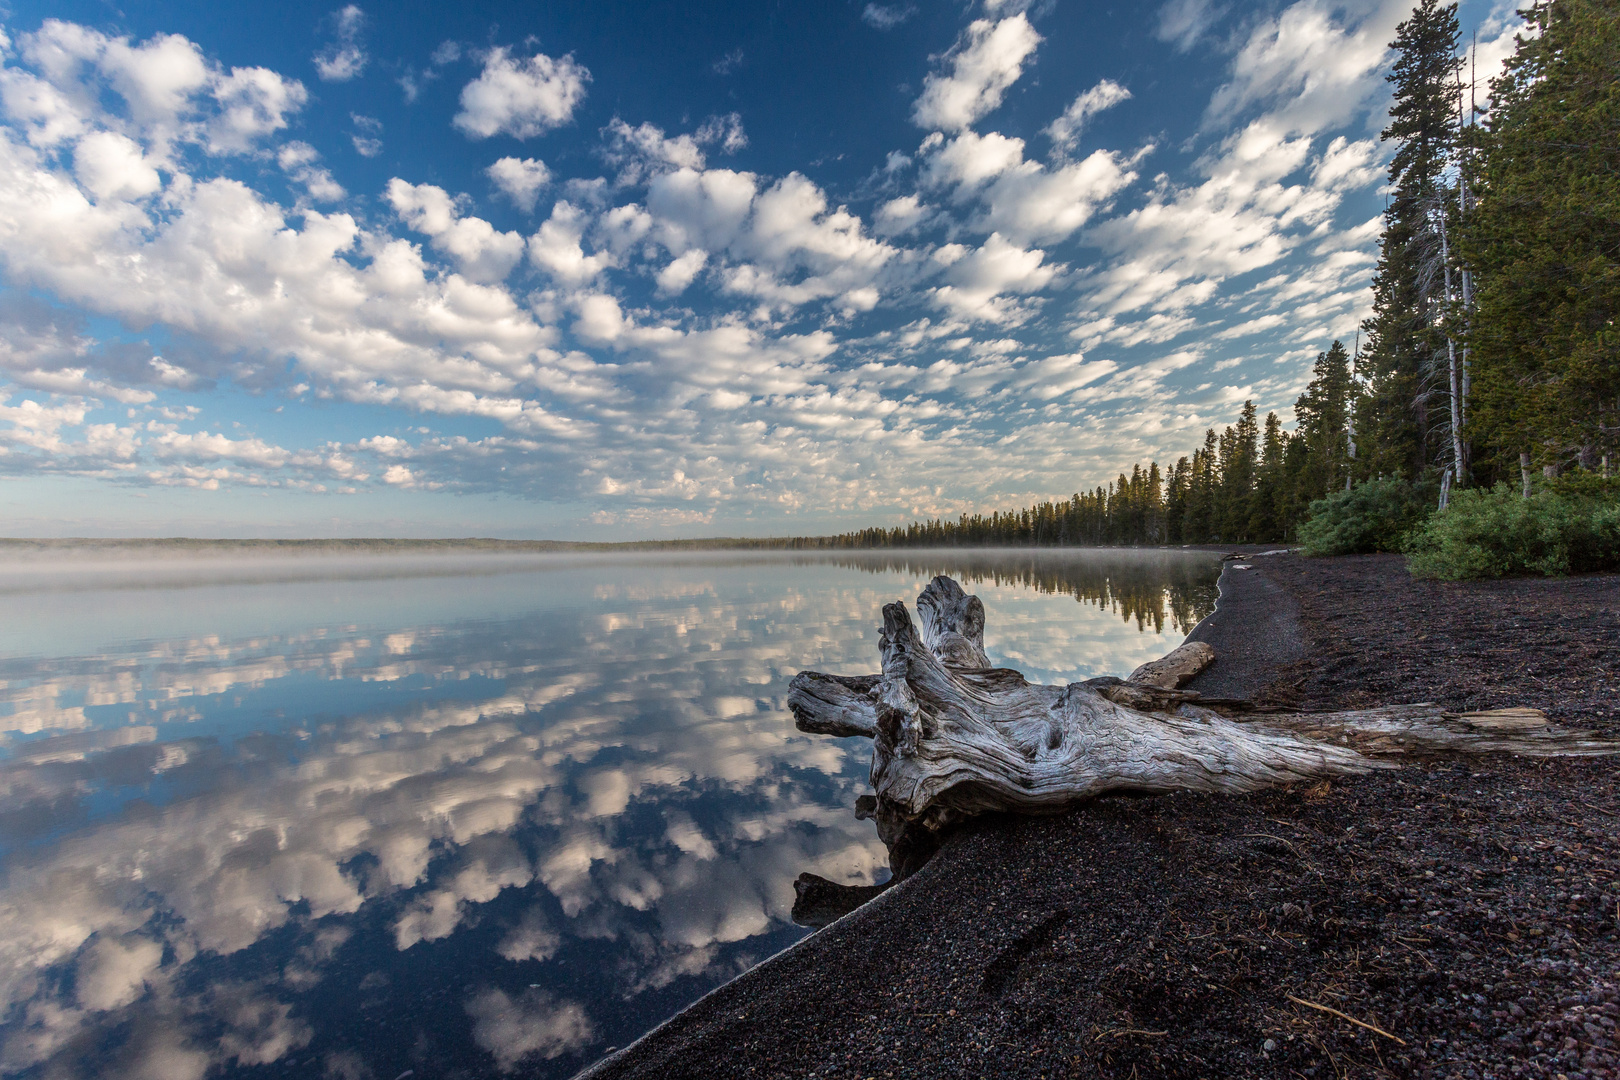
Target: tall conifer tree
[
  {"x": 1395, "y": 419},
  {"x": 1545, "y": 243},
  {"x": 1322, "y": 412},
  {"x": 1175, "y": 502},
  {"x": 1201, "y": 522},
  {"x": 1268, "y": 511},
  {"x": 1238, "y": 476}
]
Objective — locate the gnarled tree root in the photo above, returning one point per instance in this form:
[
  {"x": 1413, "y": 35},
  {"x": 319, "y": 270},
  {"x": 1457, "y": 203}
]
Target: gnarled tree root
[{"x": 953, "y": 736}]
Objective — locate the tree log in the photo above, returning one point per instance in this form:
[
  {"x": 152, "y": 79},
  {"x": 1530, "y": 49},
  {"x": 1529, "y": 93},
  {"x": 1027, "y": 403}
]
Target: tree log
[
  {"x": 1176, "y": 668},
  {"x": 953, "y": 736}
]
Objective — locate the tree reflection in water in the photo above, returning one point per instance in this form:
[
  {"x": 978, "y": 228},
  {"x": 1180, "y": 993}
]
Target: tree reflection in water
[{"x": 1145, "y": 587}]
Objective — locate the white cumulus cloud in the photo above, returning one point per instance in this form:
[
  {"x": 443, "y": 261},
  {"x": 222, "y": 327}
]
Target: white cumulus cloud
[
  {"x": 113, "y": 166},
  {"x": 986, "y": 61},
  {"x": 681, "y": 271},
  {"x": 254, "y": 102},
  {"x": 480, "y": 251},
  {"x": 1310, "y": 67},
  {"x": 1032, "y": 202},
  {"x": 521, "y": 97},
  {"x": 556, "y": 247},
  {"x": 520, "y": 179},
  {"x": 978, "y": 279},
  {"x": 1065, "y": 130},
  {"x": 297, "y": 160},
  {"x": 342, "y": 58}
]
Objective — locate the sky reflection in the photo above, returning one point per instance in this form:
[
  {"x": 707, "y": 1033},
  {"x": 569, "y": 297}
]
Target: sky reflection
[{"x": 360, "y": 823}]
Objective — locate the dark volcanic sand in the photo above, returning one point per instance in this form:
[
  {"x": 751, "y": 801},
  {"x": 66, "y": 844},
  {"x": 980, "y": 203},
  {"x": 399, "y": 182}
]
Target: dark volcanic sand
[{"x": 1468, "y": 909}]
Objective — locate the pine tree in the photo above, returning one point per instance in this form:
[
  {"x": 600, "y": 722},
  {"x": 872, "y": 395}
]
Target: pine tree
[
  {"x": 1321, "y": 414},
  {"x": 1154, "y": 533},
  {"x": 1175, "y": 502},
  {"x": 1544, "y": 241},
  {"x": 1200, "y": 525},
  {"x": 1238, "y": 476},
  {"x": 1395, "y": 419},
  {"x": 1268, "y": 518}
]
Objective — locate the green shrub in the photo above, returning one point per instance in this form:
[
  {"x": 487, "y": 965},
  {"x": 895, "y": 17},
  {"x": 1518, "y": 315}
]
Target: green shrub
[
  {"x": 1374, "y": 516},
  {"x": 1585, "y": 484},
  {"x": 1571, "y": 527}
]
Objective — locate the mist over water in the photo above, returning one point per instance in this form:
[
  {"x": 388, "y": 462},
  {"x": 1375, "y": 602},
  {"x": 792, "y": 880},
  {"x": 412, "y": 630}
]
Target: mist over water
[{"x": 353, "y": 814}]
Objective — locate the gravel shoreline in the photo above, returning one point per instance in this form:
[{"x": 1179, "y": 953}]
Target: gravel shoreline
[{"x": 1450, "y": 919}]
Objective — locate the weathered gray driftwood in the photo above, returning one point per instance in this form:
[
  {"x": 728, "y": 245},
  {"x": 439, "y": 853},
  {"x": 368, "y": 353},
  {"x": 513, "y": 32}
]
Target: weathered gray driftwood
[
  {"x": 953, "y": 736},
  {"x": 1177, "y": 667}
]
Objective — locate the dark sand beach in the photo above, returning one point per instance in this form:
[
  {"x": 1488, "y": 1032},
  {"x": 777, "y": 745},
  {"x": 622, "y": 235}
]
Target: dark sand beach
[{"x": 1449, "y": 919}]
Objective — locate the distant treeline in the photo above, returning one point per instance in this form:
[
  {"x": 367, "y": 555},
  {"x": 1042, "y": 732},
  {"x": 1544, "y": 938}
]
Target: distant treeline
[
  {"x": 381, "y": 545},
  {"x": 1246, "y": 485}
]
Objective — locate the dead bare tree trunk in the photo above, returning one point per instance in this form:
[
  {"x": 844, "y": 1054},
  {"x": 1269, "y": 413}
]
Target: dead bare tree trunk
[
  {"x": 953, "y": 736},
  {"x": 1467, "y": 296},
  {"x": 1453, "y": 373}
]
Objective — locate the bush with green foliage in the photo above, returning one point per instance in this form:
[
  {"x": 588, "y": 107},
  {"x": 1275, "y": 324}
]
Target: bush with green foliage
[
  {"x": 1375, "y": 516},
  {"x": 1571, "y": 527}
]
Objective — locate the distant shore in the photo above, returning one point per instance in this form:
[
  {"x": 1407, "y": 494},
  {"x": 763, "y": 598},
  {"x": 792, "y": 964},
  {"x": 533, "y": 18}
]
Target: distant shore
[
  {"x": 389, "y": 544},
  {"x": 1444, "y": 919},
  {"x": 357, "y": 545}
]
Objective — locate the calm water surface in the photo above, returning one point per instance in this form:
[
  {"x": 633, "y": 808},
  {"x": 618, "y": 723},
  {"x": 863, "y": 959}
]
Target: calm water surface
[{"x": 348, "y": 816}]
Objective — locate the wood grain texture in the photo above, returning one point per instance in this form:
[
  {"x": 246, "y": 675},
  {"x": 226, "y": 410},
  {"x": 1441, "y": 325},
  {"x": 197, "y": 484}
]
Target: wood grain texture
[{"x": 1176, "y": 668}]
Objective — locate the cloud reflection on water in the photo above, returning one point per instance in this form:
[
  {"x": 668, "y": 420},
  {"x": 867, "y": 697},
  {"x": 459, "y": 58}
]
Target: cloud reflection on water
[{"x": 563, "y": 802}]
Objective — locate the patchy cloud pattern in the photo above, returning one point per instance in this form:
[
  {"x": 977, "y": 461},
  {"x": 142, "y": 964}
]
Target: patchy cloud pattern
[{"x": 631, "y": 327}]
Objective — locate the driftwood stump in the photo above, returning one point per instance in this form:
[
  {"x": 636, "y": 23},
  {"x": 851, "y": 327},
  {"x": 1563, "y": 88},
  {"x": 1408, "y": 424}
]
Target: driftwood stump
[{"x": 953, "y": 736}]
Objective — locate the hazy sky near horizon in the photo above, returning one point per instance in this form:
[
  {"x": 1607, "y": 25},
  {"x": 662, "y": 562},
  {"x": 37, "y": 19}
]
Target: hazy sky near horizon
[{"x": 590, "y": 270}]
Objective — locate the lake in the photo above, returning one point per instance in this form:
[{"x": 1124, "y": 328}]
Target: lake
[{"x": 347, "y": 816}]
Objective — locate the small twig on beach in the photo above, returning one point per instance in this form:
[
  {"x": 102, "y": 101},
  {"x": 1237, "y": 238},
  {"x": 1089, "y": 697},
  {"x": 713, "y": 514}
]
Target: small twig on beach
[
  {"x": 1345, "y": 1016},
  {"x": 1279, "y": 840}
]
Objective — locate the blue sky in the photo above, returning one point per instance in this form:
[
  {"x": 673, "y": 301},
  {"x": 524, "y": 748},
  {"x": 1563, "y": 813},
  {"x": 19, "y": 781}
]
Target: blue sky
[{"x": 610, "y": 271}]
